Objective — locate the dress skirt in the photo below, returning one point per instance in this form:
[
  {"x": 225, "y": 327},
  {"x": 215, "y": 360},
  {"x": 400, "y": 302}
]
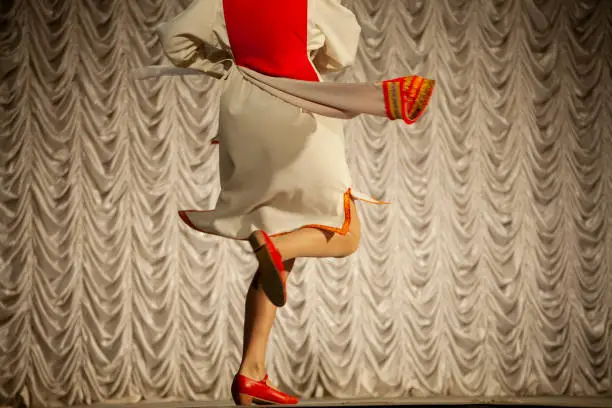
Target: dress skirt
[{"x": 281, "y": 168}]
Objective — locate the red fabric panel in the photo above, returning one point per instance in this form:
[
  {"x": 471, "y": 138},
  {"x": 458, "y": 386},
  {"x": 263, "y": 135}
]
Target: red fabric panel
[{"x": 270, "y": 36}]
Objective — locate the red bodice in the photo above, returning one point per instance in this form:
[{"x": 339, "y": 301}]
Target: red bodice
[{"x": 270, "y": 37}]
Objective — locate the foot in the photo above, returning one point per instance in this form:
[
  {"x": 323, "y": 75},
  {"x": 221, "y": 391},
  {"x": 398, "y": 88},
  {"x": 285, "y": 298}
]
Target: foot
[
  {"x": 273, "y": 276},
  {"x": 248, "y": 391}
]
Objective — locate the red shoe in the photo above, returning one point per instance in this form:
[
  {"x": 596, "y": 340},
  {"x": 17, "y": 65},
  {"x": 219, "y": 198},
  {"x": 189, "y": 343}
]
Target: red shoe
[
  {"x": 246, "y": 391},
  {"x": 273, "y": 275}
]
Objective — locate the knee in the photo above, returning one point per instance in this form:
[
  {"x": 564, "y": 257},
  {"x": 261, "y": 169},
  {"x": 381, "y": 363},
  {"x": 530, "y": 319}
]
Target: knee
[
  {"x": 353, "y": 245},
  {"x": 350, "y": 244}
]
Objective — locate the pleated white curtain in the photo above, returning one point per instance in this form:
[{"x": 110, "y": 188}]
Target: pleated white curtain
[{"x": 491, "y": 273}]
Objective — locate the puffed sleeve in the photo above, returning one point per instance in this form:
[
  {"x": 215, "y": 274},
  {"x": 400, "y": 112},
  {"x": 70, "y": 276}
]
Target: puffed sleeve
[
  {"x": 341, "y": 31},
  {"x": 194, "y": 39}
]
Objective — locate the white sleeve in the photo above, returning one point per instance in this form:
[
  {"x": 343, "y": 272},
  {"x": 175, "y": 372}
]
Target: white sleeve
[
  {"x": 342, "y": 32},
  {"x": 192, "y": 39}
]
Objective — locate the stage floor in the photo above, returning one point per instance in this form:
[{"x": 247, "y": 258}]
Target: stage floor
[{"x": 447, "y": 402}]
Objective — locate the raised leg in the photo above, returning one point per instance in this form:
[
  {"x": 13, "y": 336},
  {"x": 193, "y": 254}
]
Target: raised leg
[
  {"x": 306, "y": 242},
  {"x": 317, "y": 243}
]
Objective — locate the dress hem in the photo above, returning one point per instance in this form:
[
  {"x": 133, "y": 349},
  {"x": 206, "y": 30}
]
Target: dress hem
[{"x": 343, "y": 230}]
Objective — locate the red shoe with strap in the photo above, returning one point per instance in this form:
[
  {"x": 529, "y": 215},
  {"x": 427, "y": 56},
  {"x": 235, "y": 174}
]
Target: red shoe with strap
[
  {"x": 273, "y": 276},
  {"x": 246, "y": 391}
]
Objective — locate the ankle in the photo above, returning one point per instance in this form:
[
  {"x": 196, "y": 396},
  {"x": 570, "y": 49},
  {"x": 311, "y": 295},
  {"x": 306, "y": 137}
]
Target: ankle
[{"x": 255, "y": 371}]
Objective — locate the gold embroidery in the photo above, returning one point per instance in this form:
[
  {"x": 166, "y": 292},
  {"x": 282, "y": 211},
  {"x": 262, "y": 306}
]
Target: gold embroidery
[
  {"x": 407, "y": 97},
  {"x": 393, "y": 99},
  {"x": 422, "y": 100}
]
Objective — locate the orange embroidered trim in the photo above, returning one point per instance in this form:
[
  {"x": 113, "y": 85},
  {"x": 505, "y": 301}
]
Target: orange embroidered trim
[
  {"x": 345, "y": 225},
  {"x": 407, "y": 97}
]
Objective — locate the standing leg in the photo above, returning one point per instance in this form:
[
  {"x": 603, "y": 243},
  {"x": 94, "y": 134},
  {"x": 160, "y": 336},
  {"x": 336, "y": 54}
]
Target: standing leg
[
  {"x": 250, "y": 384},
  {"x": 258, "y": 319}
]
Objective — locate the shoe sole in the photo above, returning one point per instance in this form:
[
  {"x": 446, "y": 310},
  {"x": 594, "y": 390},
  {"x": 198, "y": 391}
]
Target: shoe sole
[{"x": 250, "y": 400}]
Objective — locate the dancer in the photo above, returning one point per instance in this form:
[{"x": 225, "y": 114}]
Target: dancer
[{"x": 285, "y": 182}]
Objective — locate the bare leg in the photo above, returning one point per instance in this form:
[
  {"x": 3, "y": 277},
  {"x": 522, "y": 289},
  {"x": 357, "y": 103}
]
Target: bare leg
[
  {"x": 260, "y": 312},
  {"x": 259, "y": 317},
  {"x": 306, "y": 242},
  {"x": 316, "y": 243}
]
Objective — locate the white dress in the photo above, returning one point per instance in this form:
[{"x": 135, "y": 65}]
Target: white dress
[
  {"x": 281, "y": 141},
  {"x": 281, "y": 168}
]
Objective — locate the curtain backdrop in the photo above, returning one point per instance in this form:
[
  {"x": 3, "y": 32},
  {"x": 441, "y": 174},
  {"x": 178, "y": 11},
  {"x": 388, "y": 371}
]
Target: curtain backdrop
[{"x": 490, "y": 274}]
